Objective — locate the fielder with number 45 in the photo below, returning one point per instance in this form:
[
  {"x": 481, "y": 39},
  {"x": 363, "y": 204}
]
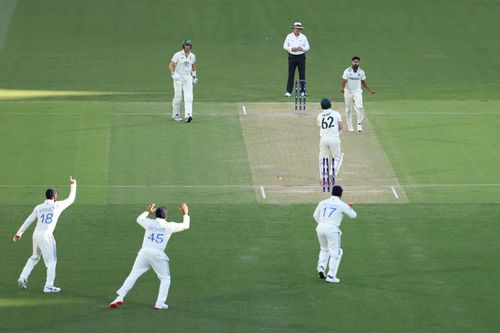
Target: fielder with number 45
[{"x": 152, "y": 255}]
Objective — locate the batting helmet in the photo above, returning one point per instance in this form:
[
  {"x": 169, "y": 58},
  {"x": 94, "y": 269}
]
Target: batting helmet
[
  {"x": 326, "y": 104},
  {"x": 186, "y": 42},
  {"x": 51, "y": 193},
  {"x": 161, "y": 212}
]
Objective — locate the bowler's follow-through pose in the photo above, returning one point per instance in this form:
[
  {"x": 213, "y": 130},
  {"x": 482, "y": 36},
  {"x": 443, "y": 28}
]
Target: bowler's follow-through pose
[
  {"x": 44, "y": 244},
  {"x": 352, "y": 80},
  {"x": 152, "y": 255},
  {"x": 328, "y": 215},
  {"x": 183, "y": 71}
]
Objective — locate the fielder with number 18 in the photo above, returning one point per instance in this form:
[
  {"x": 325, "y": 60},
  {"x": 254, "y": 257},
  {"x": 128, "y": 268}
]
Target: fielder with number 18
[
  {"x": 152, "y": 254},
  {"x": 44, "y": 244}
]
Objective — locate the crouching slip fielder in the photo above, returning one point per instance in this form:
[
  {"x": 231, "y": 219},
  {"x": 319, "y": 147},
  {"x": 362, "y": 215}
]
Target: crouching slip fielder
[
  {"x": 183, "y": 71},
  {"x": 328, "y": 215},
  {"x": 44, "y": 245},
  {"x": 152, "y": 255},
  {"x": 352, "y": 80},
  {"x": 330, "y": 125}
]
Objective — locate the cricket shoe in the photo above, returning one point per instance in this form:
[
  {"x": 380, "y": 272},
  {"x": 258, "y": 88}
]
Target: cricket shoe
[
  {"x": 332, "y": 279},
  {"x": 177, "y": 118},
  {"x": 22, "y": 283},
  {"x": 161, "y": 306},
  {"x": 116, "y": 303},
  {"x": 287, "y": 94},
  {"x": 359, "y": 128},
  {"x": 189, "y": 119},
  {"x": 350, "y": 128},
  {"x": 51, "y": 289},
  {"x": 322, "y": 275}
]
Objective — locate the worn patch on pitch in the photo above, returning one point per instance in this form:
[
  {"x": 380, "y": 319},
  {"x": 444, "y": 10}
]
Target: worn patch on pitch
[{"x": 283, "y": 147}]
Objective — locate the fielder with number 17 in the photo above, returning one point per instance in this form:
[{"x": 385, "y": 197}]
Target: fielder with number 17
[
  {"x": 152, "y": 254},
  {"x": 44, "y": 244},
  {"x": 328, "y": 215}
]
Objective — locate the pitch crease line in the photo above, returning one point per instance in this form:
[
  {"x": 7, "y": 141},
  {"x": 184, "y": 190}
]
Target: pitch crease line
[
  {"x": 244, "y": 110},
  {"x": 262, "y": 192},
  {"x": 394, "y": 192}
]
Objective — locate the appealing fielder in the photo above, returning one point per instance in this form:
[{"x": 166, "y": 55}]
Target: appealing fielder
[
  {"x": 44, "y": 245},
  {"x": 183, "y": 71},
  {"x": 152, "y": 254},
  {"x": 352, "y": 80},
  {"x": 330, "y": 125},
  {"x": 296, "y": 44},
  {"x": 328, "y": 215}
]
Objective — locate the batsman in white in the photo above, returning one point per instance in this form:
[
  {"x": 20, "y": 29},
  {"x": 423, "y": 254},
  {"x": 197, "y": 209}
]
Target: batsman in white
[
  {"x": 44, "y": 244},
  {"x": 330, "y": 126},
  {"x": 352, "y": 80},
  {"x": 152, "y": 254},
  {"x": 328, "y": 215},
  {"x": 183, "y": 71}
]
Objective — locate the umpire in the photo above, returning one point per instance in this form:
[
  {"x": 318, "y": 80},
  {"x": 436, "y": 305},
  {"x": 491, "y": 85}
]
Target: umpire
[{"x": 296, "y": 45}]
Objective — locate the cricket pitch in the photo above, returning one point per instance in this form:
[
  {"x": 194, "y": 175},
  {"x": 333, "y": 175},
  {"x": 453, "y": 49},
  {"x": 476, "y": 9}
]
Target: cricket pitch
[{"x": 282, "y": 147}]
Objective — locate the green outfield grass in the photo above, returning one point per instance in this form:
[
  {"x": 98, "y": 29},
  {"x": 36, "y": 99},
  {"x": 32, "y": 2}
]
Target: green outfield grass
[{"x": 84, "y": 91}]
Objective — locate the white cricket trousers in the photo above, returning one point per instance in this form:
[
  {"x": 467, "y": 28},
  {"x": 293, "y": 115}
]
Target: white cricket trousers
[
  {"x": 44, "y": 246},
  {"x": 183, "y": 87},
  {"x": 354, "y": 100},
  {"x": 330, "y": 251},
  {"x": 329, "y": 146},
  {"x": 149, "y": 258}
]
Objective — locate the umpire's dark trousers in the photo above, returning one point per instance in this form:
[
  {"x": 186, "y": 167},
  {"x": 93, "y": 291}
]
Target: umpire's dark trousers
[{"x": 295, "y": 61}]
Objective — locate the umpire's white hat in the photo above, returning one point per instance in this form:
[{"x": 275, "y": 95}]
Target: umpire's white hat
[{"x": 297, "y": 25}]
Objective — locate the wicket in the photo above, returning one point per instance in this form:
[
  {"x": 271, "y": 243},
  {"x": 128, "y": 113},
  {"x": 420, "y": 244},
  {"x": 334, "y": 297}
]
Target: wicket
[
  {"x": 300, "y": 95},
  {"x": 325, "y": 173}
]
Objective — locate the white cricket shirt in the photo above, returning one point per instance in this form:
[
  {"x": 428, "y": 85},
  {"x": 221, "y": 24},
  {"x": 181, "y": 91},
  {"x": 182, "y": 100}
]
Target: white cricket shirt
[
  {"x": 354, "y": 79},
  {"x": 328, "y": 123},
  {"x": 296, "y": 41},
  {"x": 47, "y": 214},
  {"x": 158, "y": 231},
  {"x": 183, "y": 63},
  {"x": 331, "y": 211}
]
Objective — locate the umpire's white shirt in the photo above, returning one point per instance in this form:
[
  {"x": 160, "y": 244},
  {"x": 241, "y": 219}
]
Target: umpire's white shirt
[
  {"x": 158, "y": 231},
  {"x": 183, "y": 63},
  {"x": 292, "y": 41},
  {"x": 329, "y": 213},
  {"x": 47, "y": 214},
  {"x": 354, "y": 79},
  {"x": 328, "y": 123}
]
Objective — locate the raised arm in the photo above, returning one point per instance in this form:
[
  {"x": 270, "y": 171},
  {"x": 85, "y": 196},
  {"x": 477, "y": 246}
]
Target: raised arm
[
  {"x": 176, "y": 227},
  {"x": 72, "y": 194},
  {"x": 142, "y": 219}
]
